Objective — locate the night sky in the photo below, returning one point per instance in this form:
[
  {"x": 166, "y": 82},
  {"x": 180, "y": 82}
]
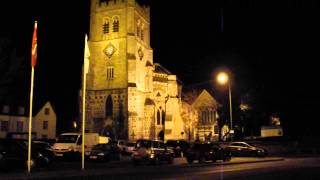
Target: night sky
[{"x": 271, "y": 48}]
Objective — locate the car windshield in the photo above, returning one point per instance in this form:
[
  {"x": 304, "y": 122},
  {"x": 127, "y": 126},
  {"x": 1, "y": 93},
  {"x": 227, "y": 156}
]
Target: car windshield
[
  {"x": 67, "y": 139},
  {"x": 144, "y": 143},
  {"x": 131, "y": 144},
  {"x": 171, "y": 143},
  {"x": 101, "y": 146}
]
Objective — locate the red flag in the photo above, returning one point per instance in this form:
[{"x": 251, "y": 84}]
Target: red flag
[{"x": 34, "y": 46}]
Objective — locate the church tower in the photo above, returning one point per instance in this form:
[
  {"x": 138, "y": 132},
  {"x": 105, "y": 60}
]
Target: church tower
[{"x": 121, "y": 66}]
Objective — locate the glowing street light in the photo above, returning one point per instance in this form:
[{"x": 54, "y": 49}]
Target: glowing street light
[{"x": 223, "y": 78}]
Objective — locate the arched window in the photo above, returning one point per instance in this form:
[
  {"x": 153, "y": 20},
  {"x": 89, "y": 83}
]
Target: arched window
[
  {"x": 203, "y": 117},
  {"x": 106, "y": 26},
  {"x": 158, "y": 117},
  {"x": 115, "y": 24},
  {"x": 109, "y": 106},
  {"x": 138, "y": 30},
  {"x": 142, "y": 32},
  {"x": 163, "y": 117}
]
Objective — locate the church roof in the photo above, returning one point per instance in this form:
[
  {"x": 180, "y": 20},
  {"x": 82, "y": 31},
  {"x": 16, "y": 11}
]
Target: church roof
[
  {"x": 205, "y": 99},
  {"x": 160, "y": 69}
]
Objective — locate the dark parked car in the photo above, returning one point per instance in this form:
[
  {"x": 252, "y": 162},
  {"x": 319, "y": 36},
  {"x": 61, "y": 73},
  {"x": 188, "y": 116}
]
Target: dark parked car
[
  {"x": 245, "y": 149},
  {"x": 179, "y": 147},
  {"x": 104, "y": 152},
  {"x": 14, "y": 154},
  {"x": 45, "y": 149},
  {"x": 152, "y": 151},
  {"x": 207, "y": 152}
]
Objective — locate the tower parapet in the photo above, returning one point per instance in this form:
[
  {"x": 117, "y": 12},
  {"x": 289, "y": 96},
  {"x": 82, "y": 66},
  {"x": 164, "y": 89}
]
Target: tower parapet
[{"x": 102, "y": 5}]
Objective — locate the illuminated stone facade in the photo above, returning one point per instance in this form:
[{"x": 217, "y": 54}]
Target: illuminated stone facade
[
  {"x": 206, "y": 106},
  {"x": 128, "y": 95},
  {"x": 199, "y": 114}
]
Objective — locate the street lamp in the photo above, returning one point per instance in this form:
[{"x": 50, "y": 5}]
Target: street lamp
[{"x": 222, "y": 79}]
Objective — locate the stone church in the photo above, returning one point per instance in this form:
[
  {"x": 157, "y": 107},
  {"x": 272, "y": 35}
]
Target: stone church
[{"x": 129, "y": 96}]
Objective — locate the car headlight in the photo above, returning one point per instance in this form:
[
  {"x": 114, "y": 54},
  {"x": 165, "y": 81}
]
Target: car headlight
[
  {"x": 150, "y": 151},
  {"x": 40, "y": 155},
  {"x": 100, "y": 154},
  {"x": 87, "y": 153}
]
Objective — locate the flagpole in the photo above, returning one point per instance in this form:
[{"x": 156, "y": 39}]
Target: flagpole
[
  {"x": 33, "y": 63},
  {"x": 85, "y": 71},
  {"x": 83, "y": 113},
  {"x": 30, "y": 121}
]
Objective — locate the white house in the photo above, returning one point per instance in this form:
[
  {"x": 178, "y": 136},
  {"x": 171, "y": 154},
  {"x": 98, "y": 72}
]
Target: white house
[{"x": 17, "y": 120}]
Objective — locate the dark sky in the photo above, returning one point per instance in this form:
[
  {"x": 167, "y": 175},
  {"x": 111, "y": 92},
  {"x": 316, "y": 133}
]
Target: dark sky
[{"x": 271, "y": 48}]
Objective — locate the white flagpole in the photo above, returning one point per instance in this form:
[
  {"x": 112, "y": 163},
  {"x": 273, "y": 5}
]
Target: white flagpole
[
  {"x": 33, "y": 63},
  {"x": 30, "y": 121},
  {"x": 85, "y": 71},
  {"x": 83, "y": 114}
]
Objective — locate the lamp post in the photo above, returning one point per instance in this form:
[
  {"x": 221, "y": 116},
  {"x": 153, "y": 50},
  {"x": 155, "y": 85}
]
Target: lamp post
[{"x": 223, "y": 78}]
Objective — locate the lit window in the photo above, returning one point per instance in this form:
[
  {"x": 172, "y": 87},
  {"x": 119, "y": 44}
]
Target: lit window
[
  {"x": 110, "y": 73},
  {"x": 45, "y": 125},
  {"x": 115, "y": 24},
  {"x": 106, "y": 27},
  {"x": 4, "y": 126},
  {"x": 46, "y": 111}
]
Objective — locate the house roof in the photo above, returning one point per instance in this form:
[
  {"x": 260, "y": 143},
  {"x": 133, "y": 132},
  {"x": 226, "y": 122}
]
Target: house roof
[{"x": 14, "y": 109}]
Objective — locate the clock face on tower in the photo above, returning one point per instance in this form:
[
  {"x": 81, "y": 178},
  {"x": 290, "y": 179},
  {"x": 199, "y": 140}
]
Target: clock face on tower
[{"x": 109, "y": 50}]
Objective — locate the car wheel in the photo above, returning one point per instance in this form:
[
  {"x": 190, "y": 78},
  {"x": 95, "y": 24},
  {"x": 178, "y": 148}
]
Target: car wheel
[
  {"x": 170, "y": 160},
  {"x": 227, "y": 158},
  {"x": 119, "y": 157},
  {"x": 156, "y": 161},
  {"x": 190, "y": 160},
  {"x": 201, "y": 159},
  {"x": 254, "y": 154}
]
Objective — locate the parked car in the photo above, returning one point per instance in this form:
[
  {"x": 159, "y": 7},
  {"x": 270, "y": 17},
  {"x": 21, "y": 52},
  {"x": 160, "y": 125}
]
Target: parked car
[
  {"x": 207, "y": 152},
  {"x": 104, "y": 152},
  {"x": 179, "y": 147},
  {"x": 45, "y": 149},
  {"x": 14, "y": 154},
  {"x": 245, "y": 149},
  {"x": 129, "y": 148},
  {"x": 152, "y": 151}
]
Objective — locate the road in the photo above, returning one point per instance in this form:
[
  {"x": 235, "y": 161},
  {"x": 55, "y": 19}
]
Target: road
[{"x": 289, "y": 168}]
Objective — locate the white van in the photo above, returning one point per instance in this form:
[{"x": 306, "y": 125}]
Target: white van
[{"x": 70, "y": 143}]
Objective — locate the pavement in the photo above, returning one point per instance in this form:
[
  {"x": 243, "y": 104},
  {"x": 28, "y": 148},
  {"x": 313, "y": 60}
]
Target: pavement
[{"x": 126, "y": 167}]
